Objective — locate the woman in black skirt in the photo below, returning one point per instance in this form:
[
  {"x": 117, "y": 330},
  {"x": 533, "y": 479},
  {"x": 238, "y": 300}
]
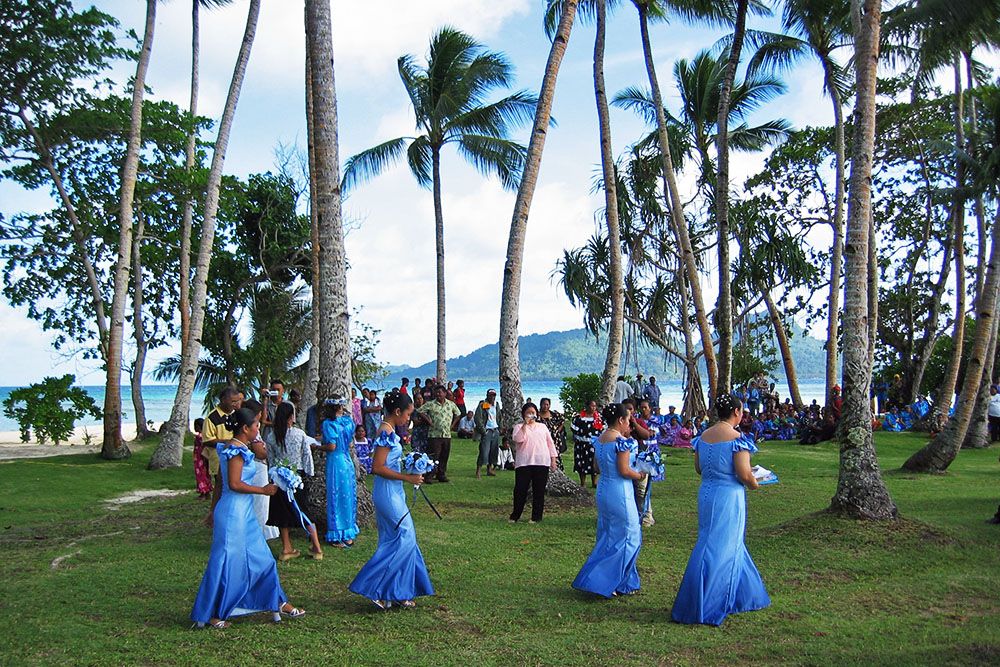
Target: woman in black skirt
[{"x": 289, "y": 446}]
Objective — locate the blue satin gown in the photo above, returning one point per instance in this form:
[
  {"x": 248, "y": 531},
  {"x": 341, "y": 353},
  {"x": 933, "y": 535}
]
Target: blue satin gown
[
  {"x": 611, "y": 567},
  {"x": 396, "y": 571},
  {"x": 241, "y": 577},
  {"x": 720, "y": 578},
  {"x": 341, "y": 483}
]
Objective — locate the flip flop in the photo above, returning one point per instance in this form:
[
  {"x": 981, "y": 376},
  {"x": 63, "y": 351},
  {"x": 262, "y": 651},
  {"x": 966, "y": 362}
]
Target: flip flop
[{"x": 295, "y": 553}]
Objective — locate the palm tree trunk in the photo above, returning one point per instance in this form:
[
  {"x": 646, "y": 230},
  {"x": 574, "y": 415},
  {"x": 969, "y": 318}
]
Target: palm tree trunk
[
  {"x": 947, "y": 393},
  {"x": 335, "y": 342},
  {"x": 442, "y": 359},
  {"x": 930, "y": 336},
  {"x": 169, "y": 451},
  {"x": 677, "y": 210},
  {"x": 938, "y": 454},
  {"x": 872, "y": 290},
  {"x": 138, "y": 332},
  {"x": 114, "y": 446},
  {"x": 861, "y": 493},
  {"x": 334, "y": 316},
  {"x": 616, "y": 324},
  {"x": 309, "y": 397},
  {"x": 724, "y": 305},
  {"x": 837, "y": 251},
  {"x": 981, "y": 234},
  {"x": 187, "y": 217},
  {"x": 978, "y": 435},
  {"x": 786, "y": 350},
  {"x": 77, "y": 232},
  {"x": 510, "y": 299}
]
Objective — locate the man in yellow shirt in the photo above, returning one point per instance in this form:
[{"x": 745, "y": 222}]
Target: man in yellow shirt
[
  {"x": 443, "y": 416},
  {"x": 213, "y": 432}
]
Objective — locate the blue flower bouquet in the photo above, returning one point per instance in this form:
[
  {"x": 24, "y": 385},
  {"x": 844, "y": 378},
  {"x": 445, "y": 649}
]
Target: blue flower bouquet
[
  {"x": 650, "y": 462},
  {"x": 418, "y": 463},
  {"x": 289, "y": 481}
]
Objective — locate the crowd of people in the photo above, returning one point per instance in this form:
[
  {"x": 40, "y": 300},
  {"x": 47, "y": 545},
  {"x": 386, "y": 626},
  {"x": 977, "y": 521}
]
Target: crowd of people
[{"x": 240, "y": 438}]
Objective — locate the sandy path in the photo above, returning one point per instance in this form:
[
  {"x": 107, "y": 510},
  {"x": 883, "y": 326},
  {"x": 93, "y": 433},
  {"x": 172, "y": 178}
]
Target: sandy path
[{"x": 11, "y": 446}]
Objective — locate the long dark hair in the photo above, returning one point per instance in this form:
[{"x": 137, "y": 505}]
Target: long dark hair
[{"x": 282, "y": 414}]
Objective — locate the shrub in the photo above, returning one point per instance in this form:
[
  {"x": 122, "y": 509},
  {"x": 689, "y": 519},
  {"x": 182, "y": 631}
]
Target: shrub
[
  {"x": 49, "y": 408},
  {"x": 578, "y": 390}
]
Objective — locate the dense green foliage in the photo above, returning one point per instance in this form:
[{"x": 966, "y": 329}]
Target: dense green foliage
[
  {"x": 578, "y": 390},
  {"x": 921, "y": 591},
  {"x": 49, "y": 409}
]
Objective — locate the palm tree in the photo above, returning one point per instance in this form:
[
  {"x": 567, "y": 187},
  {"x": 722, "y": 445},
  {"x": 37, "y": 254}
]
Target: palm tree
[
  {"x": 114, "y": 447},
  {"x": 510, "y": 299},
  {"x": 699, "y": 83},
  {"x": 184, "y": 284},
  {"x": 938, "y": 454},
  {"x": 449, "y": 96},
  {"x": 861, "y": 493},
  {"x": 334, "y": 317},
  {"x": 816, "y": 29},
  {"x": 168, "y": 452}
]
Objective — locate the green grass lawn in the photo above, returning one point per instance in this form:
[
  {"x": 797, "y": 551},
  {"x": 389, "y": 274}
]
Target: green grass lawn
[{"x": 924, "y": 590}]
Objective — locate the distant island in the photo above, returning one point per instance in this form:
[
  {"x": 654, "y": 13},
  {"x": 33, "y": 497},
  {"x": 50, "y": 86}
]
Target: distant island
[{"x": 557, "y": 354}]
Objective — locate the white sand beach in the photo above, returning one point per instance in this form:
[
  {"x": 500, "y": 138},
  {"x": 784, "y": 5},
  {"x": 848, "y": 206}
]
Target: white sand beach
[{"x": 11, "y": 446}]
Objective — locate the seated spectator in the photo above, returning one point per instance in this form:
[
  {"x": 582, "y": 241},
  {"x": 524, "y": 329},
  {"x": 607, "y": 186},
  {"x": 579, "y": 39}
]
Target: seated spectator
[
  {"x": 891, "y": 421},
  {"x": 684, "y": 435},
  {"x": 363, "y": 448},
  {"x": 467, "y": 425}
]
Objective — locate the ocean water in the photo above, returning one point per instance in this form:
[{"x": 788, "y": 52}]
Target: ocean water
[{"x": 159, "y": 398}]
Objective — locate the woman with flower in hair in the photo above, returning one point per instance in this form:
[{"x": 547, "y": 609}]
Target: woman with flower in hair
[
  {"x": 611, "y": 568},
  {"x": 586, "y": 427},
  {"x": 341, "y": 476},
  {"x": 721, "y": 578},
  {"x": 396, "y": 572},
  {"x": 241, "y": 577}
]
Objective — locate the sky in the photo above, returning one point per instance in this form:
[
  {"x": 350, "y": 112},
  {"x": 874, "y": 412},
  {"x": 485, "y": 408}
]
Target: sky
[{"x": 391, "y": 251}]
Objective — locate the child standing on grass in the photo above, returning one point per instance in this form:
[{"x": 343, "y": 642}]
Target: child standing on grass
[
  {"x": 202, "y": 480},
  {"x": 341, "y": 479},
  {"x": 241, "y": 577},
  {"x": 396, "y": 572}
]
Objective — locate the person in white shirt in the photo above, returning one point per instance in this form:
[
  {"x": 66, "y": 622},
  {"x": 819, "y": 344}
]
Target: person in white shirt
[
  {"x": 994, "y": 414},
  {"x": 622, "y": 389},
  {"x": 467, "y": 425}
]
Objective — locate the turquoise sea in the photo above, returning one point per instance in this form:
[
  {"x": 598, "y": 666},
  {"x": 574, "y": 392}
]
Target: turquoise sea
[{"x": 159, "y": 398}]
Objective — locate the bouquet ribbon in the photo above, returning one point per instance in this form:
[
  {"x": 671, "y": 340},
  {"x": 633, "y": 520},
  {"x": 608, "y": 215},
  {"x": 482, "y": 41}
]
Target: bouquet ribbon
[{"x": 288, "y": 481}]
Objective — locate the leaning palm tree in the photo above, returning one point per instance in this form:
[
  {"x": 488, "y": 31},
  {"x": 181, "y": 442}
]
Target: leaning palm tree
[
  {"x": 510, "y": 298},
  {"x": 184, "y": 271},
  {"x": 816, "y": 29},
  {"x": 450, "y": 102},
  {"x": 168, "y": 452},
  {"x": 113, "y": 446}
]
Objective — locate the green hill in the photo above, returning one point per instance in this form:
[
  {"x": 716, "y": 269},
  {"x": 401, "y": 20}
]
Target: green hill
[{"x": 554, "y": 355}]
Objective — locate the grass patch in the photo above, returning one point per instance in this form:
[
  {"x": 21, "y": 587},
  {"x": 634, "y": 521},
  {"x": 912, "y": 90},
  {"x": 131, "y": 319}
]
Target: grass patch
[{"x": 87, "y": 584}]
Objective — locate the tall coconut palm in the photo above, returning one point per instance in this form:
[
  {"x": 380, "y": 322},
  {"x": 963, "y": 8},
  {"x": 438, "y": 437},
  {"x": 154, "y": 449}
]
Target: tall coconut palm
[
  {"x": 510, "y": 299},
  {"x": 114, "y": 447},
  {"x": 616, "y": 324},
  {"x": 450, "y": 102},
  {"x": 861, "y": 492},
  {"x": 187, "y": 217},
  {"x": 816, "y": 29},
  {"x": 168, "y": 453},
  {"x": 335, "y": 340}
]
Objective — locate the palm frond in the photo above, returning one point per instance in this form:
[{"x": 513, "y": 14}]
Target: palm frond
[
  {"x": 419, "y": 156},
  {"x": 498, "y": 118},
  {"x": 750, "y": 139},
  {"x": 371, "y": 162},
  {"x": 637, "y": 100},
  {"x": 493, "y": 155}
]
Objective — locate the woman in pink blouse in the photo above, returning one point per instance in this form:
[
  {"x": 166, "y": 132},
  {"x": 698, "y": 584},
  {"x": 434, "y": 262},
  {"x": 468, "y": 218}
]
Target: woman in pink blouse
[{"x": 534, "y": 455}]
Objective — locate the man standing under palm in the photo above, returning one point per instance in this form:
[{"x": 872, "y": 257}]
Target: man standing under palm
[{"x": 443, "y": 416}]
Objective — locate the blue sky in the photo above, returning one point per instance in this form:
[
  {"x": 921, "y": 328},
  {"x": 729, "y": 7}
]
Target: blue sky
[{"x": 391, "y": 250}]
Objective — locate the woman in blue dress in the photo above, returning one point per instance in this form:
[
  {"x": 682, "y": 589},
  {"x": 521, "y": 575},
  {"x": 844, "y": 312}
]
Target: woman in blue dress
[
  {"x": 241, "y": 577},
  {"x": 611, "y": 568},
  {"x": 341, "y": 476},
  {"x": 721, "y": 578},
  {"x": 396, "y": 573}
]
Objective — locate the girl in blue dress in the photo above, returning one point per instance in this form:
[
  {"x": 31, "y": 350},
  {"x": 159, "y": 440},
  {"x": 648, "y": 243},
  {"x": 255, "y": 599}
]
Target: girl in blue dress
[
  {"x": 611, "y": 568},
  {"x": 396, "y": 572},
  {"x": 241, "y": 577},
  {"x": 341, "y": 479},
  {"x": 721, "y": 578}
]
